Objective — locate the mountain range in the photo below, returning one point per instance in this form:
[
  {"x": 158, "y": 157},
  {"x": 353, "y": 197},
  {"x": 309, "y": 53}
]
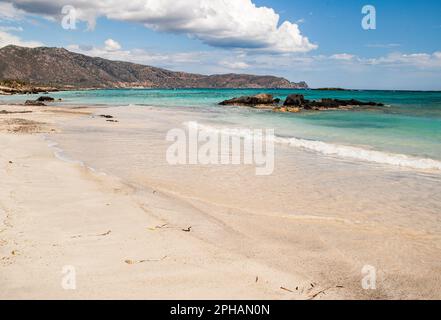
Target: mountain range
[{"x": 63, "y": 69}]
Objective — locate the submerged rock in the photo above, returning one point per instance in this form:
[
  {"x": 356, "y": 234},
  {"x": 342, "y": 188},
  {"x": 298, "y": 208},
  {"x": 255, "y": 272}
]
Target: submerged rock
[
  {"x": 34, "y": 103},
  {"x": 40, "y": 102},
  {"x": 287, "y": 109},
  {"x": 45, "y": 99}
]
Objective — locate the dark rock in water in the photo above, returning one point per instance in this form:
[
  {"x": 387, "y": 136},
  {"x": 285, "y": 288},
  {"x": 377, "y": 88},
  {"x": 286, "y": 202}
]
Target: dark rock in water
[
  {"x": 329, "y": 104},
  {"x": 294, "y": 100},
  {"x": 296, "y": 103},
  {"x": 259, "y": 100},
  {"x": 35, "y": 103},
  {"x": 352, "y": 102},
  {"x": 46, "y": 99},
  {"x": 299, "y": 102}
]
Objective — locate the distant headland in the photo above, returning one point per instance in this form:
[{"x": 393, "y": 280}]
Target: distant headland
[{"x": 57, "y": 68}]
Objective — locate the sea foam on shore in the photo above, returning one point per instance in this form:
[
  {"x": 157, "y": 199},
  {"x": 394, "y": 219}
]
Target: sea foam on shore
[{"x": 342, "y": 151}]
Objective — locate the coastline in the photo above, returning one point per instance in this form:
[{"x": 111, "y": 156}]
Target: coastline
[
  {"x": 127, "y": 240},
  {"x": 57, "y": 213}
]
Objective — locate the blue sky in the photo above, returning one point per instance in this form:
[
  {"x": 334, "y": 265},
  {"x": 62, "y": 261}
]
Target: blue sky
[{"x": 319, "y": 41}]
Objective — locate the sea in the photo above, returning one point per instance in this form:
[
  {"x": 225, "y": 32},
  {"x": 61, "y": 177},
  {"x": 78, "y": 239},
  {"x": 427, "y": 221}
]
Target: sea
[{"x": 405, "y": 132}]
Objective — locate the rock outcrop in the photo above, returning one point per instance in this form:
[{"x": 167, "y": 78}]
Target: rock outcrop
[
  {"x": 10, "y": 87},
  {"x": 40, "y": 101},
  {"x": 45, "y": 99},
  {"x": 34, "y": 103},
  {"x": 294, "y": 100},
  {"x": 297, "y": 102},
  {"x": 258, "y": 101}
]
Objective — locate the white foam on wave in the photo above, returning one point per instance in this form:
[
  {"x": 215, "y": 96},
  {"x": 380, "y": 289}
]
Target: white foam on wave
[
  {"x": 337, "y": 150},
  {"x": 357, "y": 153}
]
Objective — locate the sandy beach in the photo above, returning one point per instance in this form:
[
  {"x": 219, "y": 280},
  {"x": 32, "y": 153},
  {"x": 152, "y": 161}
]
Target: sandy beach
[{"x": 169, "y": 240}]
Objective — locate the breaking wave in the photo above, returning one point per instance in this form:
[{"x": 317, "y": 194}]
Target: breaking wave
[{"x": 337, "y": 150}]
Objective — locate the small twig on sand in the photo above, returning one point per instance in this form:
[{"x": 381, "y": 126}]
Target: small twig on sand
[
  {"x": 318, "y": 293},
  {"x": 323, "y": 291},
  {"x": 285, "y": 289},
  {"x": 93, "y": 235},
  {"x": 158, "y": 227},
  {"x": 187, "y": 230},
  {"x": 104, "y": 234},
  {"x": 142, "y": 261}
]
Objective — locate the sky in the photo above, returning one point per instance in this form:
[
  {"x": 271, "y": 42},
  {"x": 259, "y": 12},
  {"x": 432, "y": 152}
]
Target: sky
[{"x": 327, "y": 43}]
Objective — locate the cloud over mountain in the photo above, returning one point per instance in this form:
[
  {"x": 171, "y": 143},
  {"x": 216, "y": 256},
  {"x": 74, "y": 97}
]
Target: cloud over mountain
[{"x": 7, "y": 38}]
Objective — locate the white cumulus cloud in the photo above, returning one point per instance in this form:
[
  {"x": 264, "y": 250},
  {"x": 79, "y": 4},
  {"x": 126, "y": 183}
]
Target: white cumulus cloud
[
  {"x": 234, "y": 65},
  {"x": 420, "y": 60},
  {"x": 219, "y": 23},
  {"x": 9, "y": 12},
  {"x": 111, "y": 45},
  {"x": 343, "y": 56},
  {"x": 6, "y": 39}
]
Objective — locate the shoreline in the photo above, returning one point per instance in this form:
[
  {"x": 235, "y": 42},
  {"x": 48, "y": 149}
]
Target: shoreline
[
  {"x": 349, "y": 151},
  {"x": 59, "y": 213},
  {"x": 118, "y": 256}
]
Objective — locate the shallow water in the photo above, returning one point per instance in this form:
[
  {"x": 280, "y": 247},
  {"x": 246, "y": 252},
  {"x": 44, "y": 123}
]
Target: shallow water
[
  {"x": 410, "y": 124},
  {"x": 304, "y": 183}
]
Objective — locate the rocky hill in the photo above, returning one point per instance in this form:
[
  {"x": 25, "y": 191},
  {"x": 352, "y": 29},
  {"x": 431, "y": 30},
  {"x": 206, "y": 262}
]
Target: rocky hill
[{"x": 57, "y": 67}]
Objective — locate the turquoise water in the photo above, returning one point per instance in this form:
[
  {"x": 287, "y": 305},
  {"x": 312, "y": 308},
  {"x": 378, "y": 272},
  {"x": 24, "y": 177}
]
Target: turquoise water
[{"x": 409, "y": 124}]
